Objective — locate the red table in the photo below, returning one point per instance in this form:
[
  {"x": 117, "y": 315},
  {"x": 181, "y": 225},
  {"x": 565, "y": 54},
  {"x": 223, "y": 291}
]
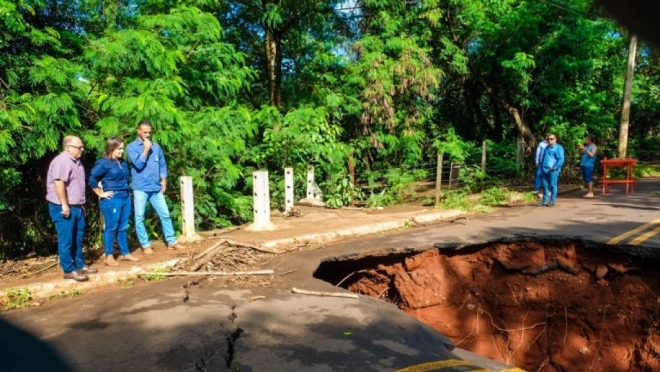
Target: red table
[{"x": 629, "y": 164}]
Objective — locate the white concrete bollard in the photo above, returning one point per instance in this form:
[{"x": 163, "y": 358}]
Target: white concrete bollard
[
  {"x": 313, "y": 197},
  {"x": 188, "y": 211},
  {"x": 288, "y": 189},
  {"x": 310, "y": 182},
  {"x": 261, "y": 193}
]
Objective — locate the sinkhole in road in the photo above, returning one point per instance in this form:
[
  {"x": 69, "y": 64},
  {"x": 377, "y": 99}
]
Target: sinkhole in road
[{"x": 540, "y": 304}]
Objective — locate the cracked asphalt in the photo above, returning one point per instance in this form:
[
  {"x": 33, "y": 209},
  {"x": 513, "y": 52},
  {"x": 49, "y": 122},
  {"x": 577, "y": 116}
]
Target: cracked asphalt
[{"x": 162, "y": 326}]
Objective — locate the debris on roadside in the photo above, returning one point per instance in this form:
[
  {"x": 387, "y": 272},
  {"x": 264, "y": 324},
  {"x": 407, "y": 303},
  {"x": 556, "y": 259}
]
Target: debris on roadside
[{"x": 227, "y": 262}]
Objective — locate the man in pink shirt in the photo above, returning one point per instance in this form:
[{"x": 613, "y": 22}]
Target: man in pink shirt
[{"x": 65, "y": 193}]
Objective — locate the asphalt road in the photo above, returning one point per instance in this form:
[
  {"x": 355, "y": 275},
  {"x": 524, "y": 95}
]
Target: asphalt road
[{"x": 161, "y": 327}]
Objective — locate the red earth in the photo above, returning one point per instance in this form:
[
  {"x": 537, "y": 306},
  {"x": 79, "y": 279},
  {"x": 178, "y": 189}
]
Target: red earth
[{"x": 551, "y": 305}]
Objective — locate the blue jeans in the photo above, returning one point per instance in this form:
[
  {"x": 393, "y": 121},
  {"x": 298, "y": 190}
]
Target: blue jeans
[
  {"x": 587, "y": 173},
  {"x": 116, "y": 213},
  {"x": 539, "y": 177},
  {"x": 550, "y": 185},
  {"x": 157, "y": 201},
  {"x": 70, "y": 231}
]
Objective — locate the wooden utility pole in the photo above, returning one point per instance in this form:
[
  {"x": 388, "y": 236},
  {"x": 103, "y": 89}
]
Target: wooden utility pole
[
  {"x": 625, "y": 107},
  {"x": 438, "y": 179}
]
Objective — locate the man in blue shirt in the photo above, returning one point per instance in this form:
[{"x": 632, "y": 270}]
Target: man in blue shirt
[
  {"x": 149, "y": 174},
  {"x": 553, "y": 159}
]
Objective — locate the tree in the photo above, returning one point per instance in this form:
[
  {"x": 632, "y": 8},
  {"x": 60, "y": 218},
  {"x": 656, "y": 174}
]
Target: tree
[{"x": 627, "y": 89}]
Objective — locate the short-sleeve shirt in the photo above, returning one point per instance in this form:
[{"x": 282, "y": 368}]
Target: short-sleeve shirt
[
  {"x": 588, "y": 161},
  {"x": 70, "y": 171}
]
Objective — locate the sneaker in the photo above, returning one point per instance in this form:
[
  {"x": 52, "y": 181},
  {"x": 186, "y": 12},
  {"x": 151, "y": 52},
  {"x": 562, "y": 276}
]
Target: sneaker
[
  {"x": 541, "y": 204},
  {"x": 589, "y": 195},
  {"x": 551, "y": 204},
  {"x": 148, "y": 250}
]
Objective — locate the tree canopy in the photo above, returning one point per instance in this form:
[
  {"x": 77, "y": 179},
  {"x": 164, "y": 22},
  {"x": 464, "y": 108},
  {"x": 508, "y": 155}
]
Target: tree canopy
[{"x": 364, "y": 90}]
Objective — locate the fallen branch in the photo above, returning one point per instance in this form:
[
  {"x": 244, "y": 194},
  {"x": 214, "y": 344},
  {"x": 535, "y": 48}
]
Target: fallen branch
[
  {"x": 204, "y": 257},
  {"x": 254, "y": 298},
  {"x": 256, "y": 248},
  {"x": 209, "y": 249},
  {"x": 42, "y": 269},
  {"x": 325, "y": 294},
  {"x": 221, "y": 273}
]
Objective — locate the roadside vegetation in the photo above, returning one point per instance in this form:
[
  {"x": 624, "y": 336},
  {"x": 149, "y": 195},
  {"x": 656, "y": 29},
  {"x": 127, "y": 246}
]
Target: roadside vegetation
[{"x": 369, "y": 93}]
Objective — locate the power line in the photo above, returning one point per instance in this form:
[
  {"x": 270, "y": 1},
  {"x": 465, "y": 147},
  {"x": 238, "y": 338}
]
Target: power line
[{"x": 569, "y": 8}]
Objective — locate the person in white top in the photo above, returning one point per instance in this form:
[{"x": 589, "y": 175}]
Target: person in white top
[{"x": 539, "y": 172}]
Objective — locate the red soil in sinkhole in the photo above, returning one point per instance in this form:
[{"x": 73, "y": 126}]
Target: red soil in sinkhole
[{"x": 553, "y": 306}]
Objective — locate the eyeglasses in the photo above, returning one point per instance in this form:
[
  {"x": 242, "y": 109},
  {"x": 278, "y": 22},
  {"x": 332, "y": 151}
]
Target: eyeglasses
[{"x": 77, "y": 147}]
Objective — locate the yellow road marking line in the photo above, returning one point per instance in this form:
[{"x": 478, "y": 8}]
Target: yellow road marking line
[
  {"x": 645, "y": 236},
  {"x": 619, "y": 238},
  {"x": 435, "y": 365},
  {"x": 442, "y": 364}
]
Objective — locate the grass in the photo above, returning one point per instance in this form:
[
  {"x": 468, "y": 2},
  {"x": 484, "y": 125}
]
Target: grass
[
  {"x": 155, "y": 274},
  {"x": 484, "y": 202},
  {"x": 17, "y": 298},
  {"x": 68, "y": 293},
  {"x": 126, "y": 283},
  {"x": 646, "y": 170}
]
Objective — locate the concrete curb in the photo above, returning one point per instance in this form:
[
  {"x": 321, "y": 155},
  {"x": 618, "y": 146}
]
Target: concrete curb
[
  {"x": 365, "y": 229},
  {"x": 47, "y": 289}
]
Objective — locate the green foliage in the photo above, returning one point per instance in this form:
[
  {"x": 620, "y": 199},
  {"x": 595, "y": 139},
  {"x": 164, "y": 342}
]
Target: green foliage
[
  {"x": 17, "y": 298},
  {"x": 340, "y": 191},
  {"x": 395, "y": 184},
  {"x": 302, "y": 136},
  {"x": 646, "y": 170},
  {"x": 483, "y": 202},
  {"x": 377, "y": 95},
  {"x": 495, "y": 196}
]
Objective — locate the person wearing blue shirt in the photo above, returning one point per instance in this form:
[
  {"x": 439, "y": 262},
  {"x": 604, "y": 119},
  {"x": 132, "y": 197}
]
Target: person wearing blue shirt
[
  {"x": 588, "y": 162},
  {"x": 149, "y": 173},
  {"x": 109, "y": 181},
  {"x": 539, "y": 171},
  {"x": 553, "y": 160}
]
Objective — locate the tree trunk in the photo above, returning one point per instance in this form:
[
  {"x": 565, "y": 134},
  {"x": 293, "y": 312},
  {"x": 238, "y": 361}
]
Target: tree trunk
[
  {"x": 625, "y": 107},
  {"x": 522, "y": 126},
  {"x": 274, "y": 66}
]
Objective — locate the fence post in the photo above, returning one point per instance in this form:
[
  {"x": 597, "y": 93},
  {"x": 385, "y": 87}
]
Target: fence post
[
  {"x": 261, "y": 193},
  {"x": 288, "y": 189},
  {"x": 451, "y": 174},
  {"x": 188, "y": 210},
  {"x": 483, "y": 157},
  {"x": 438, "y": 178},
  {"x": 483, "y": 164}
]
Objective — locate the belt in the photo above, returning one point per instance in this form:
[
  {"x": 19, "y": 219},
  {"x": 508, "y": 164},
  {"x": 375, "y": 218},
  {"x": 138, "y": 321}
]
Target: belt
[
  {"x": 70, "y": 205},
  {"x": 119, "y": 191}
]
